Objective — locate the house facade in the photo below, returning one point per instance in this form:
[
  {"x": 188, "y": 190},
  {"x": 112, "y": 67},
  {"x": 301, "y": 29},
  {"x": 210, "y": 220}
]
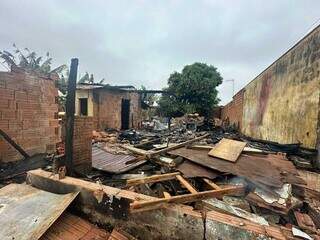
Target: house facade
[{"x": 117, "y": 107}]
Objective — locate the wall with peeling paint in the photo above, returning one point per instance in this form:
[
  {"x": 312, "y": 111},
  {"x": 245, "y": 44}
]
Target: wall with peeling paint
[{"x": 282, "y": 103}]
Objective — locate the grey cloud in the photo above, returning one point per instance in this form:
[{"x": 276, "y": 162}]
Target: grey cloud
[{"x": 142, "y": 42}]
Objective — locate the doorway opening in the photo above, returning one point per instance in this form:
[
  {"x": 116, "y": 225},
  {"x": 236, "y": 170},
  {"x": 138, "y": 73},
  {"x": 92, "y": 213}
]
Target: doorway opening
[
  {"x": 83, "y": 106},
  {"x": 125, "y": 114}
]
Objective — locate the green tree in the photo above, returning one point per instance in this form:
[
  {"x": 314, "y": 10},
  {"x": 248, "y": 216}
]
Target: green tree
[{"x": 192, "y": 90}]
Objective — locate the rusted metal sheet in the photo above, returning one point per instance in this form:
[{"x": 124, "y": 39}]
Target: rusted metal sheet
[
  {"x": 113, "y": 163},
  {"x": 191, "y": 170},
  {"x": 71, "y": 227},
  {"x": 312, "y": 179},
  {"x": 271, "y": 170},
  {"x": 305, "y": 222},
  {"x": 27, "y": 212}
]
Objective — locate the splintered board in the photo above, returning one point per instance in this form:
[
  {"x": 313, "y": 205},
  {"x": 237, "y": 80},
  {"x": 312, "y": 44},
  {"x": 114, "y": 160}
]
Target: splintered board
[{"x": 227, "y": 149}]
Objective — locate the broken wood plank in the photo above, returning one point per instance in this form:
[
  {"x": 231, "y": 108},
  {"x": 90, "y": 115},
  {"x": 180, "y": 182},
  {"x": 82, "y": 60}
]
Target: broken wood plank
[
  {"x": 166, "y": 195},
  {"x": 211, "y": 184},
  {"x": 227, "y": 149},
  {"x": 152, "y": 179},
  {"x": 245, "y": 150},
  {"x": 43, "y": 180},
  {"x": 135, "y": 150},
  {"x": 201, "y": 147},
  {"x": 186, "y": 184},
  {"x": 171, "y": 217},
  {"x": 192, "y": 197},
  {"x": 142, "y": 144},
  {"x": 179, "y": 145}
]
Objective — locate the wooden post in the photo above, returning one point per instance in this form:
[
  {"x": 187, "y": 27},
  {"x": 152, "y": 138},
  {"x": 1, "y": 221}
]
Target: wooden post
[{"x": 70, "y": 110}]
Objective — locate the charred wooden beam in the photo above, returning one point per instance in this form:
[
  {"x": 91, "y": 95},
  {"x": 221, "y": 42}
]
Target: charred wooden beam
[
  {"x": 70, "y": 110},
  {"x": 192, "y": 197},
  {"x": 152, "y": 179}
]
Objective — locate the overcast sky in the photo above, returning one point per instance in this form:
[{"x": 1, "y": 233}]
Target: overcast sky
[{"x": 141, "y": 42}]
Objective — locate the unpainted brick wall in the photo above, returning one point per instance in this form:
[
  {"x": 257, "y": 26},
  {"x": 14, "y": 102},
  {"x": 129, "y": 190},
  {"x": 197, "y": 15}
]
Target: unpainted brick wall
[
  {"x": 107, "y": 109},
  {"x": 233, "y": 110},
  {"x": 82, "y": 141},
  {"x": 28, "y": 112}
]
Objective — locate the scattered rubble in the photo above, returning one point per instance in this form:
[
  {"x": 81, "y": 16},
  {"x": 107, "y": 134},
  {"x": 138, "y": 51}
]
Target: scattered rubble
[{"x": 206, "y": 171}]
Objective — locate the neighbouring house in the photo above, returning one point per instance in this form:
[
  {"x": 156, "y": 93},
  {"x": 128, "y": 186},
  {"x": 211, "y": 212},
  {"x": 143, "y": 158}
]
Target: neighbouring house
[
  {"x": 282, "y": 103},
  {"x": 117, "y": 107}
]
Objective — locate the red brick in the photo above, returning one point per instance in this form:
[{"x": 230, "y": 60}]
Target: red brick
[
  {"x": 53, "y": 122},
  {"x": 6, "y": 93},
  {"x": 4, "y": 103},
  {"x": 9, "y": 114},
  {"x": 4, "y": 124},
  {"x": 34, "y": 98},
  {"x": 30, "y": 133},
  {"x": 27, "y": 115},
  {"x": 2, "y": 83},
  {"x": 27, "y": 124},
  {"x": 27, "y": 106},
  {"x": 20, "y": 95},
  {"x": 15, "y": 125}
]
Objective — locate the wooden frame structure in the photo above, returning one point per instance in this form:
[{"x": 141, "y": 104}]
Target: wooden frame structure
[{"x": 193, "y": 196}]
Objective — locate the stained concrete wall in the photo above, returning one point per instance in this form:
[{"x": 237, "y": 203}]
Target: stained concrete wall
[{"x": 282, "y": 103}]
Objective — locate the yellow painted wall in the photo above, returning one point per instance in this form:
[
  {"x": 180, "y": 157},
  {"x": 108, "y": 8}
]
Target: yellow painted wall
[
  {"x": 82, "y": 93},
  {"x": 282, "y": 103}
]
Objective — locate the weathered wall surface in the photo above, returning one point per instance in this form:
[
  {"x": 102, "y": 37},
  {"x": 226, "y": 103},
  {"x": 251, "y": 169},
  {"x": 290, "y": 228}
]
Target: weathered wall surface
[
  {"x": 28, "y": 113},
  {"x": 107, "y": 109},
  {"x": 282, "y": 103},
  {"x": 82, "y": 93},
  {"x": 233, "y": 110}
]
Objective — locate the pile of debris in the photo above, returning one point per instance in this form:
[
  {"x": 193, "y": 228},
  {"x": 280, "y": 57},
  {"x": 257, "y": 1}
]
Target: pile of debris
[
  {"x": 253, "y": 180},
  {"x": 178, "y": 184}
]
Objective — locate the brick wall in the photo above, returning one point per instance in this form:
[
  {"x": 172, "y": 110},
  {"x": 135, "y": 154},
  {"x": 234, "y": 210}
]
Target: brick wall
[
  {"x": 82, "y": 139},
  {"x": 107, "y": 108},
  {"x": 28, "y": 112},
  {"x": 233, "y": 110}
]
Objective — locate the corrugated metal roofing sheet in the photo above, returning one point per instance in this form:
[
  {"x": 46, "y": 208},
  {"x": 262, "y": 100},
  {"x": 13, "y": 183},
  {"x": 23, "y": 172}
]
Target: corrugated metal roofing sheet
[
  {"x": 27, "y": 212},
  {"x": 112, "y": 163}
]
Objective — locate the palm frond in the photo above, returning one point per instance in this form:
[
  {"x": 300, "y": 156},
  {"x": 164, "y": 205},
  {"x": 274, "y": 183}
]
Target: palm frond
[
  {"x": 59, "y": 69},
  {"x": 8, "y": 60}
]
